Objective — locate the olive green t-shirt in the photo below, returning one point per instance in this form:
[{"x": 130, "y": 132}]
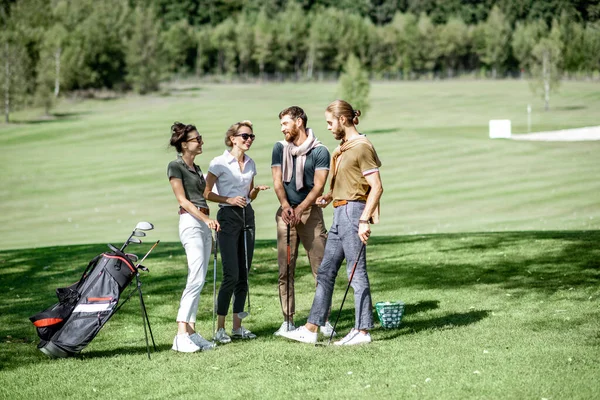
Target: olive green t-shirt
[
  {"x": 353, "y": 165},
  {"x": 193, "y": 181}
]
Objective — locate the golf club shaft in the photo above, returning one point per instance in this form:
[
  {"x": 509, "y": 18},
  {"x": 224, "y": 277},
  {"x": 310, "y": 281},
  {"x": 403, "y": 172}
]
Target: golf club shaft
[
  {"x": 215, "y": 283},
  {"x": 146, "y": 255},
  {"x": 362, "y": 247},
  {"x": 287, "y": 275},
  {"x": 127, "y": 241},
  {"x": 246, "y": 257}
]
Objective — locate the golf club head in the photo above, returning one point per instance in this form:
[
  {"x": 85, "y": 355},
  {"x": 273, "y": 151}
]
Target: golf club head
[
  {"x": 144, "y": 226},
  {"x": 139, "y": 233},
  {"x": 243, "y": 314},
  {"x": 134, "y": 240},
  {"x": 132, "y": 257},
  {"x": 140, "y": 266}
]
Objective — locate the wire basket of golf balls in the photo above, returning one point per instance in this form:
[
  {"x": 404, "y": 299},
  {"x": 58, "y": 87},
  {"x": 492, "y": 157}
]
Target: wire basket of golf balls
[{"x": 390, "y": 313}]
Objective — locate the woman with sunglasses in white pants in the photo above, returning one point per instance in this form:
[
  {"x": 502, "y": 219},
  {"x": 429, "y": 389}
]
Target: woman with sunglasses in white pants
[{"x": 195, "y": 227}]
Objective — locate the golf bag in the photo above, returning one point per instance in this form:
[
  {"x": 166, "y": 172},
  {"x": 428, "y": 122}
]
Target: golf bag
[{"x": 83, "y": 308}]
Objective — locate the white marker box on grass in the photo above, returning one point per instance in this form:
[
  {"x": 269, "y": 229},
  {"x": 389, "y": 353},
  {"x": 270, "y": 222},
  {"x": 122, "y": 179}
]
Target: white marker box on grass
[{"x": 500, "y": 128}]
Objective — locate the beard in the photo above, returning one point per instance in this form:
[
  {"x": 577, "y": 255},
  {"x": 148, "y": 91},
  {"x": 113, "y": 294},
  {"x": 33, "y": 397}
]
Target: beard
[
  {"x": 292, "y": 134},
  {"x": 339, "y": 133}
]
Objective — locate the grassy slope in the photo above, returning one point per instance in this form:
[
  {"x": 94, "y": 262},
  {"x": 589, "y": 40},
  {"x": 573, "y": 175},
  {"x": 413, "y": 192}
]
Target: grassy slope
[
  {"x": 489, "y": 315},
  {"x": 89, "y": 176}
]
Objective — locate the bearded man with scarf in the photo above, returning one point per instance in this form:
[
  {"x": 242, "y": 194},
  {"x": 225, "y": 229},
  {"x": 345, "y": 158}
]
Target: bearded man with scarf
[{"x": 300, "y": 165}]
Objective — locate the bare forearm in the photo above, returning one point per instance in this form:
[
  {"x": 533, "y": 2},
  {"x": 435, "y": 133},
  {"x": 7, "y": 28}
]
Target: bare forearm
[
  {"x": 281, "y": 196},
  {"x": 312, "y": 196},
  {"x": 211, "y": 196},
  {"x": 372, "y": 201},
  {"x": 253, "y": 193}
]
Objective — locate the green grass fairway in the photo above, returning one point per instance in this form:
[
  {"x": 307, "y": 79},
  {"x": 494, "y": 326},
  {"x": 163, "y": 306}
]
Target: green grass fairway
[
  {"x": 510, "y": 315},
  {"x": 492, "y": 245},
  {"x": 91, "y": 174}
]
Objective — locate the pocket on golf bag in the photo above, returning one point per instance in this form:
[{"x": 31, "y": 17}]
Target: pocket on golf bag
[{"x": 49, "y": 321}]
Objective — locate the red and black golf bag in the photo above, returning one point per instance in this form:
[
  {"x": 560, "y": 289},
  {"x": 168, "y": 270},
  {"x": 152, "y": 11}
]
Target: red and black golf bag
[{"x": 70, "y": 325}]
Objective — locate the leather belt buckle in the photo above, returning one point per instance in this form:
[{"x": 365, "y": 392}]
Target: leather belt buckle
[{"x": 338, "y": 203}]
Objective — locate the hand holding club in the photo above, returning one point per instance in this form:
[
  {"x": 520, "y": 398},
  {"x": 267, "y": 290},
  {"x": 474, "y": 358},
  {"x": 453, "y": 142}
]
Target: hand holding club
[
  {"x": 213, "y": 224},
  {"x": 364, "y": 231},
  {"x": 287, "y": 214},
  {"x": 239, "y": 201}
]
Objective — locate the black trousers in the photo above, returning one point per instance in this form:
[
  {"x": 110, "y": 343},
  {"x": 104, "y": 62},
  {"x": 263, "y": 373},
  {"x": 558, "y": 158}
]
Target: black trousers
[{"x": 231, "y": 244}]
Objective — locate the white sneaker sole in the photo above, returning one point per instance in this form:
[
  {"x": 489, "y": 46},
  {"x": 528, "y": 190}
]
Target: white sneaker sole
[
  {"x": 185, "y": 351},
  {"x": 301, "y": 339}
]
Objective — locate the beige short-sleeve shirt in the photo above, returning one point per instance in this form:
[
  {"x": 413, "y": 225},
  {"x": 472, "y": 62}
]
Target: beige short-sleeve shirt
[{"x": 353, "y": 165}]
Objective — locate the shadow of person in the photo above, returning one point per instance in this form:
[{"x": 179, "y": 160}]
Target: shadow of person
[{"x": 448, "y": 321}]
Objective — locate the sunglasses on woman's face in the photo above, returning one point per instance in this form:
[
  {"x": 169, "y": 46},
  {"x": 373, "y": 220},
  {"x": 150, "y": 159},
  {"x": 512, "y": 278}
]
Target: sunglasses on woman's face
[
  {"x": 197, "y": 138},
  {"x": 246, "y": 136}
]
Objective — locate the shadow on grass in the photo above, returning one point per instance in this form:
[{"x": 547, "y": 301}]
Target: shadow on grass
[
  {"x": 544, "y": 261},
  {"x": 534, "y": 261},
  {"x": 380, "y": 131},
  {"x": 448, "y": 321},
  {"x": 570, "y": 108},
  {"x": 53, "y": 117},
  {"x": 119, "y": 351},
  {"x": 412, "y": 324}
]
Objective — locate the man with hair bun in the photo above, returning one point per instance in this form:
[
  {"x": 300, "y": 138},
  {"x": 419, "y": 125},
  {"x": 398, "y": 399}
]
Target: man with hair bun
[
  {"x": 356, "y": 189},
  {"x": 299, "y": 165}
]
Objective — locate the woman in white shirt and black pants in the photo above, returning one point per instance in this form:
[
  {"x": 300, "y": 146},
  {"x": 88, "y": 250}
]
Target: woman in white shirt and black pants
[{"x": 233, "y": 173}]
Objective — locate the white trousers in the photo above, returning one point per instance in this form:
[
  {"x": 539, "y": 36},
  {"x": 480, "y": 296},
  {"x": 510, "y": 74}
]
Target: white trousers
[{"x": 196, "y": 239}]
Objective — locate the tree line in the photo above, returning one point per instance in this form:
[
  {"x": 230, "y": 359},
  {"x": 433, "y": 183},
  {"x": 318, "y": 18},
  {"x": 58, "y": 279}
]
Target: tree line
[{"x": 52, "y": 46}]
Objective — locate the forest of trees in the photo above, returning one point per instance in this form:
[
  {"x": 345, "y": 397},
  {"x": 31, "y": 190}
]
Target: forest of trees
[{"x": 49, "y": 47}]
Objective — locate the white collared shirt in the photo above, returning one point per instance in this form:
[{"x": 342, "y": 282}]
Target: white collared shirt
[{"x": 232, "y": 182}]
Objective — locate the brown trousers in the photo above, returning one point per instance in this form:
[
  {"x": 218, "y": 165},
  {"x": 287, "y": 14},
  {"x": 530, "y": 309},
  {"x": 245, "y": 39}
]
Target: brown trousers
[{"x": 312, "y": 234}]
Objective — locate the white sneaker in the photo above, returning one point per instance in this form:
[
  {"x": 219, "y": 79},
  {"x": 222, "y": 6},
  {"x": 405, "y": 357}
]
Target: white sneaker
[
  {"x": 285, "y": 327},
  {"x": 242, "y": 333},
  {"x": 354, "y": 337},
  {"x": 222, "y": 337},
  {"x": 184, "y": 344},
  {"x": 301, "y": 335},
  {"x": 201, "y": 342},
  {"x": 327, "y": 330}
]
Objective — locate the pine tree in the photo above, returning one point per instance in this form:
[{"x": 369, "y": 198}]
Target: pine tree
[{"x": 354, "y": 85}]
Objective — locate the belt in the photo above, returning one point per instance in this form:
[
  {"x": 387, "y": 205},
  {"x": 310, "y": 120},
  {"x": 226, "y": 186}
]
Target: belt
[
  {"x": 339, "y": 203},
  {"x": 203, "y": 210}
]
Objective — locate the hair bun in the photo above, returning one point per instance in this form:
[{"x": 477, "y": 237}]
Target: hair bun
[{"x": 357, "y": 113}]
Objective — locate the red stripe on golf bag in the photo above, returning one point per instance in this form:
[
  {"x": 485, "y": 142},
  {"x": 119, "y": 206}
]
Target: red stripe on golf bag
[
  {"x": 47, "y": 322},
  {"x": 82, "y": 318},
  {"x": 99, "y": 299},
  {"x": 124, "y": 259}
]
